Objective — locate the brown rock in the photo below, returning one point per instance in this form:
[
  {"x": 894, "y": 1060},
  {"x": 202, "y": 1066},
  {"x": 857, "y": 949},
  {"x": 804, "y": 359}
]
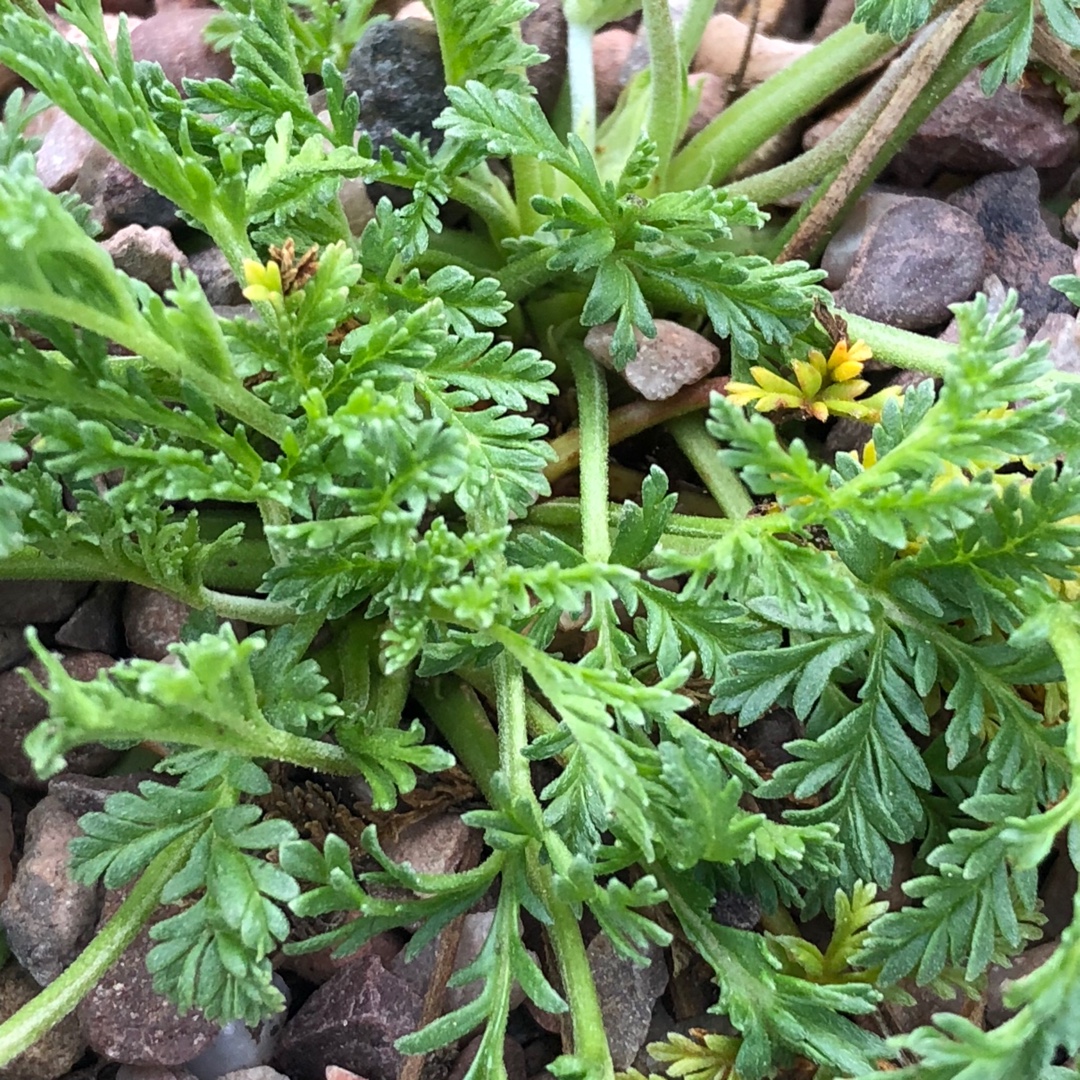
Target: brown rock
[
  {"x": 7, "y": 847},
  {"x": 970, "y": 132},
  {"x": 675, "y": 358},
  {"x": 724, "y": 43},
  {"x": 13, "y": 647},
  {"x": 611, "y": 48},
  {"x": 151, "y": 1072},
  {"x": 147, "y": 255},
  {"x": 23, "y": 602},
  {"x": 918, "y": 258},
  {"x": 627, "y": 995},
  {"x": 432, "y": 845},
  {"x": 1023, "y": 254},
  {"x": 545, "y": 28},
  {"x": 55, "y": 1051},
  {"x": 710, "y": 104},
  {"x": 352, "y": 1021},
  {"x": 175, "y": 39},
  {"x": 216, "y": 277},
  {"x": 48, "y": 916},
  {"x": 840, "y": 253},
  {"x": 999, "y": 978},
  {"x": 117, "y": 197},
  {"x": 64, "y": 149},
  {"x": 21, "y": 710},
  {"x": 80, "y": 794},
  {"x": 152, "y": 621},
  {"x": 126, "y": 1019},
  {"x": 513, "y": 1059}
]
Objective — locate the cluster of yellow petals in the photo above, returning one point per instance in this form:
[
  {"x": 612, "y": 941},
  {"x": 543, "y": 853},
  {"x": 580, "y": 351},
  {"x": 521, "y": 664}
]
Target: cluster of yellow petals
[
  {"x": 263, "y": 282},
  {"x": 822, "y": 387}
]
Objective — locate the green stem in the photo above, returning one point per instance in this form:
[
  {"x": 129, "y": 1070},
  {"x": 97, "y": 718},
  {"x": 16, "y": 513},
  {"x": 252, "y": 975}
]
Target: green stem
[
  {"x": 769, "y": 108},
  {"x": 703, "y": 452},
  {"x": 487, "y": 197},
  {"x": 581, "y": 79},
  {"x": 61, "y": 996},
  {"x": 901, "y": 348},
  {"x": 1065, "y": 641},
  {"x": 249, "y": 608},
  {"x": 593, "y": 433},
  {"x": 691, "y": 29},
  {"x": 461, "y": 719},
  {"x": 526, "y": 274},
  {"x": 528, "y": 181},
  {"x": 667, "y": 81}
]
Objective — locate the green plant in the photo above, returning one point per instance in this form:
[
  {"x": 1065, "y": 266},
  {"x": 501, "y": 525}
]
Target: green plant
[{"x": 375, "y": 449}]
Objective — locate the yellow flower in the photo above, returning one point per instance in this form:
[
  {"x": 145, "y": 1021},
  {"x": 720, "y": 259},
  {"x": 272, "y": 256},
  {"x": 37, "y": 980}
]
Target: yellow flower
[
  {"x": 822, "y": 387},
  {"x": 263, "y": 282}
]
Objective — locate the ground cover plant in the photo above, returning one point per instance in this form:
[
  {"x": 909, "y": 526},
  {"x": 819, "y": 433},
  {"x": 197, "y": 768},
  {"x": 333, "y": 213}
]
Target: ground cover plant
[{"x": 366, "y": 465}]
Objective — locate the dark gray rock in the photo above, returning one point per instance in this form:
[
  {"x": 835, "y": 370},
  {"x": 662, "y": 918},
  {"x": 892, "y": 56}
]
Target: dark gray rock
[
  {"x": 396, "y": 70},
  {"x": 148, "y": 255},
  {"x": 21, "y": 710},
  {"x": 545, "y": 28},
  {"x": 1022, "y": 253},
  {"x": 627, "y": 995},
  {"x": 117, "y": 197},
  {"x": 152, "y": 621},
  {"x": 999, "y": 978},
  {"x": 56, "y": 1050},
  {"x": 13, "y": 647},
  {"x": 126, "y": 1019},
  {"x": 919, "y": 257},
  {"x": 88, "y": 794},
  {"x": 23, "y": 602},
  {"x": 216, "y": 277},
  {"x": 970, "y": 132},
  {"x": 351, "y": 1021},
  {"x": 95, "y": 624},
  {"x": 48, "y": 916},
  {"x": 152, "y": 1072},
  {"x": 7, "y": 847}
]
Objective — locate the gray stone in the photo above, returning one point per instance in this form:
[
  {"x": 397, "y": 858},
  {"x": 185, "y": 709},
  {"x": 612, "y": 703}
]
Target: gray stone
[
  {"x": 95, "y": 624},
  {"x": 1023, "y": 254},
  {"x": 7, "y": 847},
  {"x": 675, "y": 358},
  {"x": 13, "y": 647},
  {"x": 152, "y": 1072},
  {"x": 351, "y": 1021},
  {"x": 148, "y": 255},
  {"x": 126, "y": 1019},
  {"x": 56, "y": 1050},
  {"x": 216, "y": 277},
  {"x": 917, "y": 259},
  {"x": 840, "y": 253},
  {"x": 627, "y": 995},
  {"x": 259, "y": 1072},
  {"x": 48, "y": 915},
  {"x": 396, "y": 70},
  {"x": 88, "y": 794},
  {"x": 22, "y": 709},
  {"x": 23, "y": 602},
  {"x": 152, "y": 621},
  {"x": 117, "y": 197}
]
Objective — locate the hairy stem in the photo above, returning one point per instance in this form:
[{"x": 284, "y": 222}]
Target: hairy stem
[
  {"x": 61, "y": 996},
  {"x": 582, "y": 82},
  {"x": 593, "y": 433},
  {"x": 769, "y": 108},
  {"x": 667, "y": 81},
  {"x": 703, "y": 452}
]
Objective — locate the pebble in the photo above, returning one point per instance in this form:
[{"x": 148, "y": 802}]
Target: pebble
[
  {"x": 216, "y": 277},
  {"x": 21, "y": 710},
  {"x": 841, "y": 250},
  {"x": 48, "y": 916},
  {"x": 1063, "y": 333},
  {"x": 259, "y": 1072},
  {"x": 147, "y": 255},
  {"x": 64, "y": 148},
  {"x": 432, "y": 845},
  {"x": 972, "y": 133},
  {"x": 175, "y": 40},
  {"x": 724, "y": 43},
  {"x": 1023, "y": 254},
  {"x": 919, "y": 257},
  {"x": 396, "y": 70},
  {"x": 94, "y": 626},
  {"x": 7, "y": 847},
  {"x": 238, "y": 1047},
  {"x": 152, "y": 621},
  {"x": 56, "y": 1050},
  {"x": 545, "y": 28},
  {"x": 13, "y": 647},
  {"x": 126, "y": 1019},
  {"x": 117, "y": 197},
  {"x": 351, "y": 1021},
  {"x": 23, "y": 602},
  {"x": 611, "y": 49},
  {"x": 627, "y": 994},
  {"x": 151, "y": 1072},
  {"x": 675, "y": 358}
]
